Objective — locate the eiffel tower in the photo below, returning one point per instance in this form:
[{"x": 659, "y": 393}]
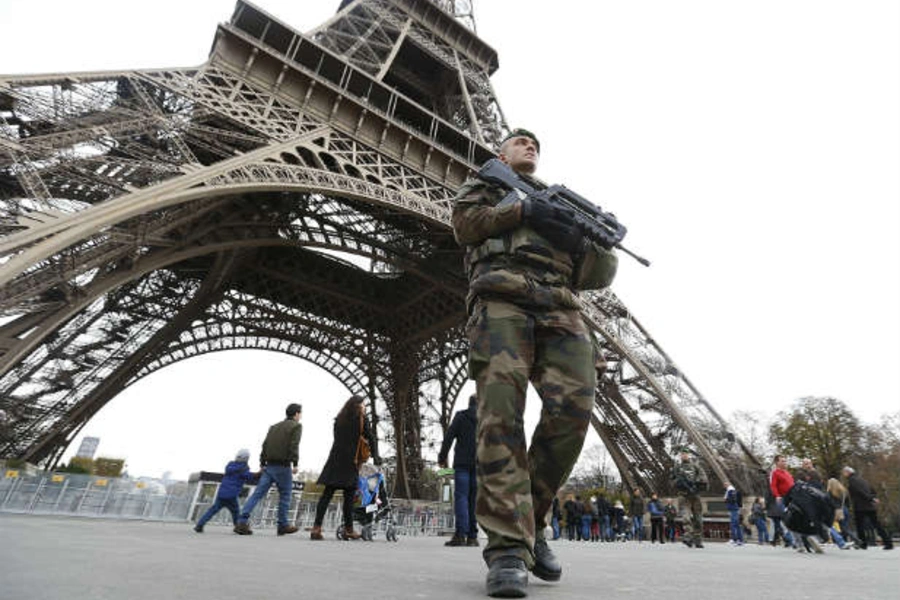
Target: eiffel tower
[{"x": 292, "y": 193}]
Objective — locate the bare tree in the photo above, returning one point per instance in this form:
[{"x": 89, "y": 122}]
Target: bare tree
[
  {"x": 752, "y": 427},
  {"x": 594, "y": 468}
]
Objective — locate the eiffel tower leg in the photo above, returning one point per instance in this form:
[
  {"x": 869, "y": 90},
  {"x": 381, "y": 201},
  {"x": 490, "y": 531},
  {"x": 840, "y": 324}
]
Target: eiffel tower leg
[{"x": 407, "y": 423}]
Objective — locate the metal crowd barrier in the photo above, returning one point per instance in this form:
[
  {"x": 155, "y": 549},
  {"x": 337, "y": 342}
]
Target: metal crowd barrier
[
  {"x": 108, "y": 497},
  {"x": 85, "y": 495}
]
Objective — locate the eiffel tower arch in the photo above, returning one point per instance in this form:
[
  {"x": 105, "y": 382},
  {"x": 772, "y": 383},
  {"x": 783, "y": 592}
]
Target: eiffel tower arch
[{"x": 292, "y": 194}]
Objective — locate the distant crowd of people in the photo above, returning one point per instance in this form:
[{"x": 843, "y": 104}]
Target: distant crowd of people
[
  {"x": 805, "y": 511},
  {"x": 597, "y": 519}
]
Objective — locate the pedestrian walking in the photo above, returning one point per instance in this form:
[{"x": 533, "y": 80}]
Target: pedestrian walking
[
  {"x": 278, "y": 464},
  {"x": 350, "y": 449},
  {"x": 865, "y": 507},
  {"x": 237, "y": 473}
]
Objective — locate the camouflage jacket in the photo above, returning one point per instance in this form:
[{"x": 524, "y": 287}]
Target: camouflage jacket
[
  {"x": 688, "y": 477},
  {"x": 509, "y": 261}
]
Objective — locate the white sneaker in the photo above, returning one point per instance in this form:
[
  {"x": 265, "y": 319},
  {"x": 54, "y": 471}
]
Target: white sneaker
[{"x": 814, "y": 543}]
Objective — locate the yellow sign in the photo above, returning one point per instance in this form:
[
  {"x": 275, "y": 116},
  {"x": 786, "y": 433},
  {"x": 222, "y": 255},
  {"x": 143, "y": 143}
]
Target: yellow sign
[
  {"x": 140, "y": 485},
  {"x": 12, "y": 474},
  {"x": 101, "y": 482},
  {"x": 58, "y": 478}
]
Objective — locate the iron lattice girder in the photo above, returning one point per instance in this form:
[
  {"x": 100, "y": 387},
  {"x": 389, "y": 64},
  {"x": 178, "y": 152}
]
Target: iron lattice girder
[
  {"x": 670, "y": 409},
  {"x": 169, "y": 308},
  {"x": 95, "y": 347},
  {"x": 242, "y": 321},
  {"x": 273, "y": 150}
]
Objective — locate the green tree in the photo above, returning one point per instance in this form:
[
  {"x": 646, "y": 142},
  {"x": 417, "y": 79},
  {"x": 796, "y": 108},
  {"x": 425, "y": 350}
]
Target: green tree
[
  {"x": 823, "y": 429},
  {"x": 76, "y": 469},
  {"x": 108, "y": 467},
  {"x": 80, "y": 464},
  {"x": 879, "y": 464}
]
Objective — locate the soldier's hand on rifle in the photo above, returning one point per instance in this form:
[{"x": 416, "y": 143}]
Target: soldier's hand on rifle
[{"x": 557, "y": 224}]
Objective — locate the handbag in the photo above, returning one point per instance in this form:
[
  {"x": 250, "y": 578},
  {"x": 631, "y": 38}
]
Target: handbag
[{"x": 363, "y": 451}]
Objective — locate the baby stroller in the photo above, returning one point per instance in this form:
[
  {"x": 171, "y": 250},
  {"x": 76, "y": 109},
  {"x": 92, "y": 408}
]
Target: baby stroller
[{"x": 371, "y": 506}]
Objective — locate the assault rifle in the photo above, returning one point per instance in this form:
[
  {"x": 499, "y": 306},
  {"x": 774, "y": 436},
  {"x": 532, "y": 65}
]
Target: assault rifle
[{"x": 600, "y": 227}]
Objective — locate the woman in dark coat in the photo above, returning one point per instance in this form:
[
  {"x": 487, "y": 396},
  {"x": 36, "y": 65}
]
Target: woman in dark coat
[{"x": 341, "y": 470}]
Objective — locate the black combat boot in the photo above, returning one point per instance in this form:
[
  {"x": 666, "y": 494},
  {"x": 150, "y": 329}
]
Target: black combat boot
[
  {"x": 456, "y": 540},
  {"x": 507, "y": 578},
  {"x": 546, "y": 566}
]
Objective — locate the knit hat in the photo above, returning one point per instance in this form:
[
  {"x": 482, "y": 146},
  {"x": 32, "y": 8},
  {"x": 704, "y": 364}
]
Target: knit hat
[{"x": 243, "y": 455}]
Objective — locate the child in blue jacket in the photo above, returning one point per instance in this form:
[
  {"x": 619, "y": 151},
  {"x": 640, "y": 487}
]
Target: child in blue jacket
[{"x": 237, "y": 473}]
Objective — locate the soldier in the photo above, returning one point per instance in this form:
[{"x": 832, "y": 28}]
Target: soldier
[
  {"x": 525, "y": 263},
  {"x": 688, "y": 478}
]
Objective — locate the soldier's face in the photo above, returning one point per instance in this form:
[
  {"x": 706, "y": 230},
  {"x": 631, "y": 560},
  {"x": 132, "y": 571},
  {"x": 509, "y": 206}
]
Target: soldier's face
[{"x": 521, "y": 154}]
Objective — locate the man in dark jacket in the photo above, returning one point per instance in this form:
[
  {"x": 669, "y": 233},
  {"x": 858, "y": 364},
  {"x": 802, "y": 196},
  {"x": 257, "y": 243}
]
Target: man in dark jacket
[
  {"x": 603, "y": 509},
  {"x": 571, "y": 518},
  {"x": 637, "y": 510},
  {"x": 657, "y": 514},
  {"x": 278, "y": 463},
  {"x": 237, "y": 473},
  {"x": 462, "y": 430},
  {"x": 865, "y": 506}
]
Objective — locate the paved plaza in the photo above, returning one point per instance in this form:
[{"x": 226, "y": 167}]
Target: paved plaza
[{"x": 97, "y": 559}]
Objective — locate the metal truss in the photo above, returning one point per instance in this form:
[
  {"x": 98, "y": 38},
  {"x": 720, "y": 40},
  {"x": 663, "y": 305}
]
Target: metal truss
[{"x": 291, "y": 194}]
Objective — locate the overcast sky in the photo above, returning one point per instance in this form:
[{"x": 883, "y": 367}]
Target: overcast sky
[{"x": 751, "y": 148}]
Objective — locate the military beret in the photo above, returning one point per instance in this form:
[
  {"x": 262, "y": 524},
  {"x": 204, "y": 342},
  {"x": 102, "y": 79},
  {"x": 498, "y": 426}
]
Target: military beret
[{"x": 519, "y": 132}]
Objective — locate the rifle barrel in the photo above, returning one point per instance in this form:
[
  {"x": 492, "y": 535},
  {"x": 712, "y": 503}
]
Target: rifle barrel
[{"x": 640, "y": 259}]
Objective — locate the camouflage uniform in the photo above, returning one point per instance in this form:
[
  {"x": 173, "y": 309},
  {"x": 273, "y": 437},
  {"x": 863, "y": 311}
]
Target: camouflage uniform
[
  {"x": 523, "y": 326},
  {"x": 692, "y": 474}
]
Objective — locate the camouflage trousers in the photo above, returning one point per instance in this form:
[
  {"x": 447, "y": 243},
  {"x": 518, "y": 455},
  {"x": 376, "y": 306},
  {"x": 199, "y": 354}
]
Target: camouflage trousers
[
  {"x": 693, "y": 517},
  {"x": 508, "y": 347}
]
